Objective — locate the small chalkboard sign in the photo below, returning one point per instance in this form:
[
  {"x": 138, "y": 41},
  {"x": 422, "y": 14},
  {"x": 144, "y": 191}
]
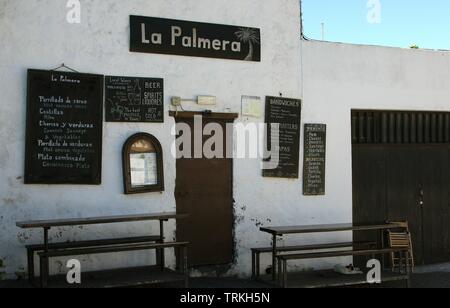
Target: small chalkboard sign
[
  {"x": 133, "y": 99},
  {"x": 287, "y": 113},
  {"x": 64, "y": 128},
  {"x": 314, "y": 160}
]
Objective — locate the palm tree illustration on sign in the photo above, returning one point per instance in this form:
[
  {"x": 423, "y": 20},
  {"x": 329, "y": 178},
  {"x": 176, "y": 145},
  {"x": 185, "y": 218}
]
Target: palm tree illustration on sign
[{"x": 250, "y": 36}]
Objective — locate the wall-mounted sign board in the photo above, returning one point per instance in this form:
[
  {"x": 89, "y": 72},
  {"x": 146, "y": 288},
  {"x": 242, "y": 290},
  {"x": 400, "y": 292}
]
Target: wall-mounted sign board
[
  {"x": 132, "y": 99},
  {"x": 195, "y": 39},
  {"x": 287, "y": 113},
  {"x": 64, "y": 128},
  {"x": 314, "y": 160}
]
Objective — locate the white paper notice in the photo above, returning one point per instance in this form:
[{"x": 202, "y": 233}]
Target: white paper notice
[
  {"x": 251, "y": 106},
  {"x": 144, "y": 169}
]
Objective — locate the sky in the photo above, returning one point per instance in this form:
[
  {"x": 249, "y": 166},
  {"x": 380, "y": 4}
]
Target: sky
[{"x": 398, "y": 23}]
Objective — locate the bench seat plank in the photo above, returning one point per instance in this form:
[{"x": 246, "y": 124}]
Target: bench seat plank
[
  {"x": 283, "y": 259},
  {"x": 326, "y": 228},
  {"x": 122, "y": 278},
  {"x": 333, "y": 254},
  {"x": 93, "y": 243},
  {"x": 110, "y": 249},
  {"x": 312, "y": 247},
  {"x": 97, "y": 220}
]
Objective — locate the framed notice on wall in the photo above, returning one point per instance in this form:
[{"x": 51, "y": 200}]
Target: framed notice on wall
[
  {"x": 314, "y": 160},
  {"x": 64, "y": 128},
  {"x": 286, "y": 112},
  {"x": 133, "y": 99}
]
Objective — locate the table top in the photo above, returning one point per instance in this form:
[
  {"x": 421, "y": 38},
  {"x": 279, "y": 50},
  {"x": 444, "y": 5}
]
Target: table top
[
  {"x": 98, "y": 220},
  {"x": 326, "y": 228}
]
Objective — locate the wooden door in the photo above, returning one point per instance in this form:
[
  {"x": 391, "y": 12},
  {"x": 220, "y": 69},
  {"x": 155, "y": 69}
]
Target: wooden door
[
  {"x": 204, "y": 189},
  {"x": 403, "y": 187},
  {"x": 436, "y": 203},
  {"x": 398, "y": 183},
  {"x": 401, "y": 171}
]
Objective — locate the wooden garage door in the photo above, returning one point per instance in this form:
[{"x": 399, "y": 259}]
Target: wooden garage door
[{"x": 401, "y": 171}]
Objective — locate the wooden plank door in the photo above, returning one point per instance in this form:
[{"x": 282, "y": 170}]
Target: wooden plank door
[
  {"x": 404, "y": 183},
  {"x": 389, "y": 183},
  {"x": 204, "y": 189},
  {"x": 435, "y": 162}
]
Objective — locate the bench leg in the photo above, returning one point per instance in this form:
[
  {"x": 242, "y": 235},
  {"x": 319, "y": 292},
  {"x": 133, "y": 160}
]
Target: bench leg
[
  {"x": 258, "y": 265},
  {"x": 160, "y": 255},
  {"x": 185, "y": 268},
  {"x": 253, "y": 266},
  {"x": 274, "y": 257},
  {"x": 158, "y": 258},
  {"x": 382, "y": 242},
  {"x": 30, "y": 266},
  {"x": 402, "y": 265},
  {"x": 408, "y": 271},
  {"x": 285, "y": 280},
  {"x": 179, "y": 259},
  {"x": 44, "y": 267},
  {"x": 280, "y": 275},
  {"x": 162, "y": 252}
]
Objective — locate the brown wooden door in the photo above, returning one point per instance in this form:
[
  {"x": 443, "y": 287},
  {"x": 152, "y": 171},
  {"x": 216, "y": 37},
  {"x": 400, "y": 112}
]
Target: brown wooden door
[
  {"x": 204, "y": 189},
  {"x": 390, "y": 182},
  {"x": 436, "y": 203},
  {"x": 403, "y": 187}
]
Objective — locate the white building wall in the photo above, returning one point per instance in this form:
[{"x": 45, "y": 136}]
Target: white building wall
[
  {"x": 35, "y": 34},
  {"x": 337, "y": 78}
]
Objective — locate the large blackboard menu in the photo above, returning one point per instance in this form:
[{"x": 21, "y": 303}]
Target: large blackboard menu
[
  {"x": 64, "y": 128},
  {"x": 315, "y": 159},
  {"x": 132, "y": 99},
  {"x": 287, "y": 113}
]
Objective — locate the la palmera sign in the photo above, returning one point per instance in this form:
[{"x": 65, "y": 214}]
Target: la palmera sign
[{"x": 176, "y": 37}]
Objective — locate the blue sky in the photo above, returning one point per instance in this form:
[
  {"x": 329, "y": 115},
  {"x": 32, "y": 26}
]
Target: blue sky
[{"x": 403, "y": 23}]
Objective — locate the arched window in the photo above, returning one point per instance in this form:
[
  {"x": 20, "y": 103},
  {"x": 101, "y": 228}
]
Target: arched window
[{"x": 143, "y": 164}]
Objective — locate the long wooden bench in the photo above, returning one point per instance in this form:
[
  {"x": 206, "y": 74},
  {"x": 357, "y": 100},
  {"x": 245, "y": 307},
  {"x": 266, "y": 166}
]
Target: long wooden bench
[
  {"x": 180, "y": 246},
  {"x": 283, "y": 259},
  {"x": 256, "y": 252},
  {"x": 47, "y": 247},
  {"x": 33, "y": 249}
]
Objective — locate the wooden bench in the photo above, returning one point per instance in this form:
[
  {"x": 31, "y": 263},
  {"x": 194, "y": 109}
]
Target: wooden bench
[
  {"x": 48, "y": 250},
  {"x": 256, "y": 252},
  {"x": 33, "y": 249},
  {"x": 283, "y": 259},
  {"x": 180, "y": 246}
]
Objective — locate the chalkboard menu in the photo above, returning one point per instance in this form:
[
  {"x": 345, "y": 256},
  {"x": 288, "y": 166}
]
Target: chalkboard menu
[
  {"x": 132, "y": 99},
  {"x": 315, "y": 158},
  {"x": 64, "y": 128},
  {"x": 287, "y": 113}
]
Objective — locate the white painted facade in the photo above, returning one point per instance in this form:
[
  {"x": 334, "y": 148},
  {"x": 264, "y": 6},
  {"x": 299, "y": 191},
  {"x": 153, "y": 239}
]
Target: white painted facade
[{"x": 330, "y": 78}]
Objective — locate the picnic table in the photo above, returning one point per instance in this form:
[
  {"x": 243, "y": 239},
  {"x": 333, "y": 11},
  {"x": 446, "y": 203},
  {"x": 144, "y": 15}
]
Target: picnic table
[
  {"x": 151, "y": 242},
  {"x": 280, "y": 231}
]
